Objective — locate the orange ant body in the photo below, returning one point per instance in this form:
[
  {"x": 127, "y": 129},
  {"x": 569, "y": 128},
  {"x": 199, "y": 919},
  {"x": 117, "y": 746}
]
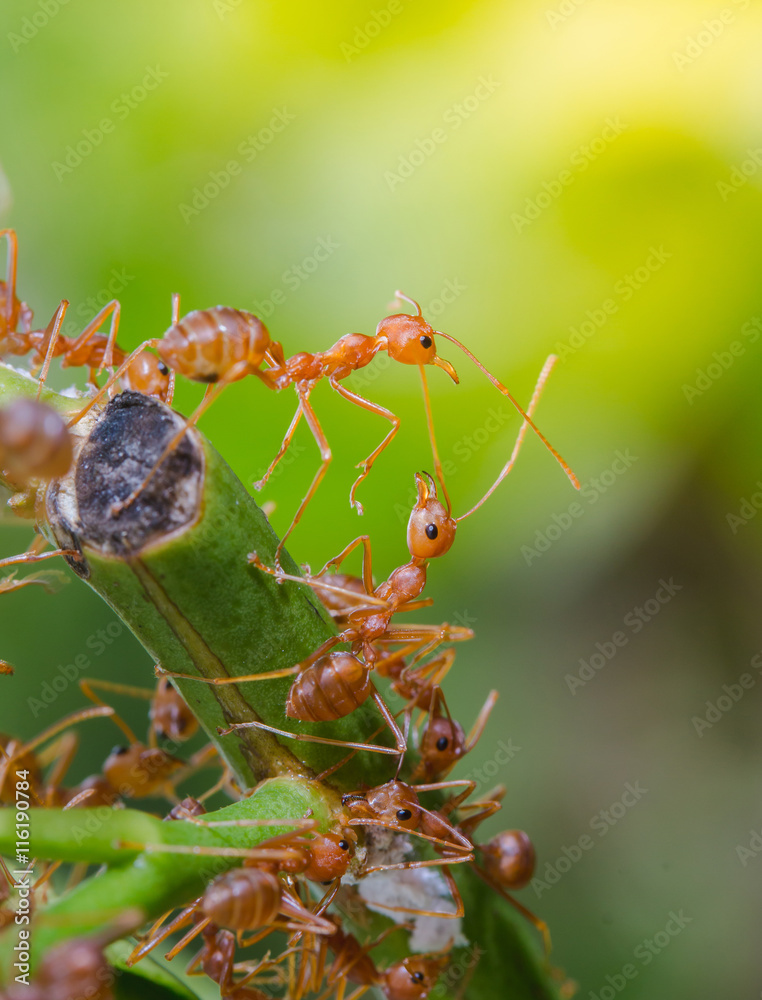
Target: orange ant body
[{"x": 251, "y": 897}]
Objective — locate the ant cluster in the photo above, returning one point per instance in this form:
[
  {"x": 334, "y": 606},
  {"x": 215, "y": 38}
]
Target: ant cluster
[{"x": 384, "y": 837}]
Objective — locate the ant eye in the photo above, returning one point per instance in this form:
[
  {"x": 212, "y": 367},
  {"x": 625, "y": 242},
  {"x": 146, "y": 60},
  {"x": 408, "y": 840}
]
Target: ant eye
[
  {"x": 426, "y": 342},
  {"x": 118, "y": 751},
  {"x": 344, "y": 845},
  {"x": 432, "y": 531},
  {"x": 163, "y": 369},
  {"x": 403, "y": 815},
  {"x": 417, "y": 977},
  {"x": 442, "y": 743}
]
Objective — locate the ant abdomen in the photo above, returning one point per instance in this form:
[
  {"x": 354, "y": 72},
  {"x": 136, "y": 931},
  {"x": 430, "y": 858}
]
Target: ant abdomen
[
  {"x": 329, "y": 689},
  {"x": 34, "y": 441},
  {"x": 509, "y": 858},
  {"x": 243, "y": 899},
  {"x": 207, "y": 343}
]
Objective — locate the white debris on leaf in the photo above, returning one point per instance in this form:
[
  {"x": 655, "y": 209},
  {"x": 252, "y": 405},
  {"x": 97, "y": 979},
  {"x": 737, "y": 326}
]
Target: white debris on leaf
[{"x": 410, "y": 889}]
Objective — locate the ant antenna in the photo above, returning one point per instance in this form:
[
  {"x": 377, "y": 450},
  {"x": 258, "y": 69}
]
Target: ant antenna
[
  {"x": 527, "y": 418},
  {"x": 547, "y": 368},
  {"x": 406, "y": 298}
]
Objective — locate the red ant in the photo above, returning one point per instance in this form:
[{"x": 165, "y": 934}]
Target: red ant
[
  {"x": 250, "y": 897},
  {"x": 217, "y": 961},
  {"x": 12, "y": 312},
  {"x": 92, "y": 350}
]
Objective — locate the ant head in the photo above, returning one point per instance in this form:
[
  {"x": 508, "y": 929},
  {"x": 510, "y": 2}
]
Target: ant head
[
  {"x": 510, "y": 859},
  {"x": 395, "y": 803},
  {"x": 330, "y": 855},
  {"x": 442, "y": 744},
  {"x": 410, "y": 340},
  {"x": 149, "y": 375},
  {"x": 412, "y": 978},
  {"x": 430, "y": 530}
]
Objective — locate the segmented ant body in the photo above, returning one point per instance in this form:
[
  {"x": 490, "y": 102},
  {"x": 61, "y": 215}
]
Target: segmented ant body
[{"x": 254, "y": 896}]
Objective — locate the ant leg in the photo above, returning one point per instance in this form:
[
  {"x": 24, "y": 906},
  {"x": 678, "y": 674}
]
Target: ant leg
[
  {"x": 541, "y": 926},
  {"x": 10, "y": 272},
  {"x": 156, "y": 934},
  {"x": 481, "y": 720},
  {"x": 33, "y": 557},
  {"x": 367, "y": 465},
  {"x": 307, "y": 739},
  {"x": 325, "y": 461},
  {"x": 367, "y": 561},
  {"x": 438, "y": 471},
  {"x": 267, "y": 676},
  {"x": 86, "y": 688},
  {"x": 282, "y": 450},
  {"x": 186, "y": 939},
  {"x": 317, "y": 584},
  {"x": 112, "y": 309},
  {"x": 52, "y": 334}
]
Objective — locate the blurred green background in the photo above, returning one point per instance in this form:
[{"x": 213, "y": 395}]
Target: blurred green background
[{"x": 579, "y": 177}]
